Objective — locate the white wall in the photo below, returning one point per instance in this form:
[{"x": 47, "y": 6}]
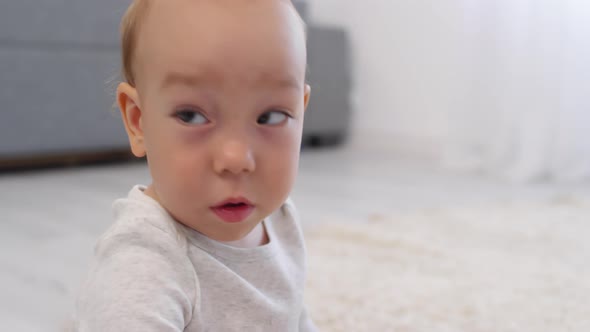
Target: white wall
[{"x": 406, "y": 57}]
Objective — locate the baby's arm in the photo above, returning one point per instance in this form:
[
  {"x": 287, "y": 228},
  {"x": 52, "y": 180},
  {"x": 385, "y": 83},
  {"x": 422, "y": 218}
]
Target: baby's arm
[{"x": 141, "y": 282}]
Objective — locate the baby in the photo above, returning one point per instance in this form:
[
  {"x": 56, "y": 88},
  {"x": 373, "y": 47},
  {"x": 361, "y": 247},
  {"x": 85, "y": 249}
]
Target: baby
[{"x": 214, "y": 97}]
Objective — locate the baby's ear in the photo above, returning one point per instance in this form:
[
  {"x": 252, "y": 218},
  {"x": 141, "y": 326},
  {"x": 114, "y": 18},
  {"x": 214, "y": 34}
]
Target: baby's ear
[
  {"x": 306, "y": 95},
  {"x": 128, "y": 101}
]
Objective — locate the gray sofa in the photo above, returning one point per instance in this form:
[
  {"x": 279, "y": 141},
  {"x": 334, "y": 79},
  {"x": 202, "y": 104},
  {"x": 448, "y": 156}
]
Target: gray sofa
[
  {"x": 327, "y": 119},
  {"x": 59, "y": 63},
  {"x": 56, "y": 60}
]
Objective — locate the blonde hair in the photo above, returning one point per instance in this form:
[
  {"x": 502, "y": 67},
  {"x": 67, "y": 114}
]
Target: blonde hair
[{"x": 130, "y": 25}]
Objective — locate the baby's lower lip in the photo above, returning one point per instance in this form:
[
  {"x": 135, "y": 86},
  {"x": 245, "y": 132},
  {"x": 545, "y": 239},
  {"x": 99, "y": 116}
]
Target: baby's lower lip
[{"x": 233, "y": 214}]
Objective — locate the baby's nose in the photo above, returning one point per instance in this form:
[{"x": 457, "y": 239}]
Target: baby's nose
[{"x": 234, "y": 157}]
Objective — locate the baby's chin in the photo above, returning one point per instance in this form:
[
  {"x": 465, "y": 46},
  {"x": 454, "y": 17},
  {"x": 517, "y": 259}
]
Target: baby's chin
[{"x": 244, "y": 235}]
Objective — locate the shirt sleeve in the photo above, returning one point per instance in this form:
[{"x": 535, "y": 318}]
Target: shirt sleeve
[{"x": 140, "y": 282}]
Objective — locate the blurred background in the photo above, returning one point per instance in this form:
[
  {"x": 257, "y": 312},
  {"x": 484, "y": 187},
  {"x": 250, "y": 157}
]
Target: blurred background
[{"x": 418, "y": 107}]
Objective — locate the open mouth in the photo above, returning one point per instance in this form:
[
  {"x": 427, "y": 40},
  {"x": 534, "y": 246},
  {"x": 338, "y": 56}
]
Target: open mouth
[
  {"x": 233, "y": 211},
  {"x": 233, "y": 205}
]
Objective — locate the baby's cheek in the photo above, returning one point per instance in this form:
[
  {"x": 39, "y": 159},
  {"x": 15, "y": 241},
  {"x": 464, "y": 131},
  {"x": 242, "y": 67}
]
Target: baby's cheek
[
  {"x": 283, "y": 147},
  {"x": 282, "y": 169}
]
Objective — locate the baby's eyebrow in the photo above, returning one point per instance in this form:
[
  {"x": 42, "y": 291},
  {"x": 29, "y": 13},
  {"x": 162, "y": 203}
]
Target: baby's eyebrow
[
  {"x": 288, "y": 82},
  {"x": 284, "y": 80},
  {"x": 176, "y": 78},
  {"x": 265, "y": 79}
]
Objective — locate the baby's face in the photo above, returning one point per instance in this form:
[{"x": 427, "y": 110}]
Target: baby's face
[{"x": 221, "y": 89}]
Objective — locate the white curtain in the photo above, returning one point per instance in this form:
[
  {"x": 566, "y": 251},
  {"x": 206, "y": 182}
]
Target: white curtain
[{"x": 523, "y": 108}]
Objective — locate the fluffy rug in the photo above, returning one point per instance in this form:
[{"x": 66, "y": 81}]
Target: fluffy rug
[{"x": 501, "y": 268}]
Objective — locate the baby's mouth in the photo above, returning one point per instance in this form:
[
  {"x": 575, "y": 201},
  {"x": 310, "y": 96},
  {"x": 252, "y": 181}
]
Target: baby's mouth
[{"x": 233, "y": 210}]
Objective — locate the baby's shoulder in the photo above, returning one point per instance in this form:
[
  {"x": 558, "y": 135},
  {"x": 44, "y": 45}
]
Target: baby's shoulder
[
  {"x": 135, "y": 259},
  {"x": 142, "y": 222},
  {"x": 139, "y": 229},
  {"x": 133, "y": 249}
]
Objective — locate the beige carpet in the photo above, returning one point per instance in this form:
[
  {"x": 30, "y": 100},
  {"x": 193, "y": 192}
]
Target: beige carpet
[{"x": 518, "y": 267}]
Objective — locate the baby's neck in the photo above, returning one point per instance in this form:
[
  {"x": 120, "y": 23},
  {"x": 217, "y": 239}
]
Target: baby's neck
[{"x": 256, "y": 238}]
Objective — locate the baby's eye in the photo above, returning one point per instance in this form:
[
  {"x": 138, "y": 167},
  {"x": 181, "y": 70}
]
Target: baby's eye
[
  {"x": 191, "y": 117},
  {"x": 272, "y": 118}
]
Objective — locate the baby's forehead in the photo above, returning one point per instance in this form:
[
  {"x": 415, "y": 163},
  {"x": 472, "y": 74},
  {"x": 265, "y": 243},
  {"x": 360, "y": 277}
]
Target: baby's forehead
[{"x": 204, "y": 41}]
